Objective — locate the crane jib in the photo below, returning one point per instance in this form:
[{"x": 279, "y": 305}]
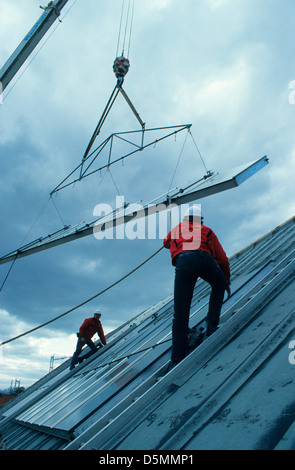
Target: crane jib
[{"x": 30, "y": 41}]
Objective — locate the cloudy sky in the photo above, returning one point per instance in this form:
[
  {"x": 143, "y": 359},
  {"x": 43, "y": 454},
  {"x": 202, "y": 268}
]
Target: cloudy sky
[{"x": 224, "y": 66}]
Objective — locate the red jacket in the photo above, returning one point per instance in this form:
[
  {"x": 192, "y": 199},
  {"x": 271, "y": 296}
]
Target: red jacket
[
  {"x": 194, "y": 236},
  {"x": 89, "y": 327}
]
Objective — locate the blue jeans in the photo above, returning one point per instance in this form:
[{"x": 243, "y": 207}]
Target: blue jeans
[
  {"x": 80, "y": 344},
  {"x": 189, "y": 266}
]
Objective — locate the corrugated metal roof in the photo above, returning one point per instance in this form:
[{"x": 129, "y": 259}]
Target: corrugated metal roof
[{"x": 233, "y": 392}]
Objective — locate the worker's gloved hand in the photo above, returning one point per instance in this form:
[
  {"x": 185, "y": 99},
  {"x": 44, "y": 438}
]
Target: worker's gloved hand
[{"x": 227, "y": 288}]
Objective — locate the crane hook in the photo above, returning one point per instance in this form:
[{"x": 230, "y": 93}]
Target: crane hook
[{"x": 121, "y": 68}]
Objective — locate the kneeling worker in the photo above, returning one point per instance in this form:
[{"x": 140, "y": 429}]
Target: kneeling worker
[
  {"x": 87, "y": 330},
  {"x": 196, "y": 252}
]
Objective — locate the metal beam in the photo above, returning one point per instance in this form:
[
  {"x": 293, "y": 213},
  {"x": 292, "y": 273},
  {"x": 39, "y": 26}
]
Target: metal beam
[
  {"x": 207, "y": 186},
  {"x": 132, "y": 107}
]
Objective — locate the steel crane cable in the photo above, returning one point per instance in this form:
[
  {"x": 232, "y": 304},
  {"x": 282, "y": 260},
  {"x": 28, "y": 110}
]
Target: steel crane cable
[
  {"x": 126, "y": 27},
  {"x": 199, "y": 153},
  {"x": 28, "y": 233},
  {"x": 180, "y": 156},
  {"x": 84, "y": 302},
  {"x": 177, "y": 163}
]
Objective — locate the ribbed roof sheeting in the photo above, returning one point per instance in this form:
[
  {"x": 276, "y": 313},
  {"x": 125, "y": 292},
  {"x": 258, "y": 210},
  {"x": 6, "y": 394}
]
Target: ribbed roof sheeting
[{"x": 233, "y": 392}]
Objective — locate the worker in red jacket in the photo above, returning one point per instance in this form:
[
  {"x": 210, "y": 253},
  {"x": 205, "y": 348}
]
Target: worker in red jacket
[
  {"x": 195, "y": 252},
  {"x": 87, "y": 330}
]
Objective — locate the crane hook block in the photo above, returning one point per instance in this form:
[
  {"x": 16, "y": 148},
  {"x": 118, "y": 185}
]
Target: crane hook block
[{"x": 121, "y": 67}]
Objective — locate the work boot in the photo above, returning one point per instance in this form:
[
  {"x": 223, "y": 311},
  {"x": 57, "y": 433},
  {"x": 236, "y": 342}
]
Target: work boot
[
  {"x": 210, "y": 331},
  {"x": 195, "y": 337}
]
